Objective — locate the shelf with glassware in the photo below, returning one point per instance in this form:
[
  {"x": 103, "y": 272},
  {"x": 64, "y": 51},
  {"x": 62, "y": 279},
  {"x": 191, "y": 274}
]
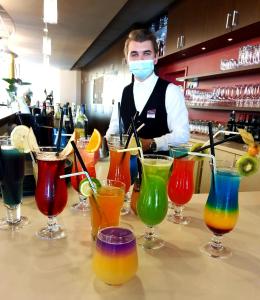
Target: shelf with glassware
[
  {"x": 241, "y": 97},
  {"x": 243, "y": 70},
  {"x": 226, "y": 108}
]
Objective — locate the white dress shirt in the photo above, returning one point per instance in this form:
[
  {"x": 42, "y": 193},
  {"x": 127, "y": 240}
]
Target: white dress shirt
[{"x": 177, "y": 114}]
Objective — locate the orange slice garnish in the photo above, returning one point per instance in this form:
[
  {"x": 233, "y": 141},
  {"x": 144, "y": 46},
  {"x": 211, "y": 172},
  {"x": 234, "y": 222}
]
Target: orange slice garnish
[{"x": 94, "y": 141}]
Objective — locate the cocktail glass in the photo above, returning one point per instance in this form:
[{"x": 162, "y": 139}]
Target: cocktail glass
[
  {"x": 89, "y": 160},
  {"x": 152, "y": 203},
  {"x": 11, "y": 183},
  {"x": 51, "y": 191},
  {"x": 115, "y": 259},
  {"x": 181, "y": 183},
  {"x": 221, "y": 209},
  {"x": 119, "y": 167},
  {"x": 106, "y": 205}
]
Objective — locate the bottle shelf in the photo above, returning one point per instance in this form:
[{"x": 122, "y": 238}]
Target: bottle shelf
[
  {"x": 226, "y": 108},
  {"x": 221, "y": 74}
]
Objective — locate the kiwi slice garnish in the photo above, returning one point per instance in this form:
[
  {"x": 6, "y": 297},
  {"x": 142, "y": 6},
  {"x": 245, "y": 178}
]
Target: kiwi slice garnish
[
  {"x": 247, "y": 165},
  {"x": 195, "y": 148}
]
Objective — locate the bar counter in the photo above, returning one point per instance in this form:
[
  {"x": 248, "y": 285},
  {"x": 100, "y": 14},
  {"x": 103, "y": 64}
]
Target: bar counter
[{"x": 61, "y": 269}]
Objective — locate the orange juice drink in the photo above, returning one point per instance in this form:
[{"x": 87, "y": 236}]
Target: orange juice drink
[{"x": 106, "y": 205}]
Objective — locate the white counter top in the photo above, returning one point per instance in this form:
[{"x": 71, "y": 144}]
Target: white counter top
[{"x": 61, "y": 270}]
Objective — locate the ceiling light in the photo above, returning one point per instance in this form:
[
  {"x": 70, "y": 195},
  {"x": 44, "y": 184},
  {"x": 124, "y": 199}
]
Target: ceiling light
[
  {"x": 203, "y": 48},
  {"x": 50, "y": 11},
  {"x": 230, "y": 39},
  {"x": 46, "y": 60},
  {"x": 46, "y": 45}
]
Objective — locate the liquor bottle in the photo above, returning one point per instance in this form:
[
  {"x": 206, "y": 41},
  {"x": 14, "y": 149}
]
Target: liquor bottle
[
  {"x": 44, "y": 110},
  {"x": 231, "y": 124},
  {"x": 80, "y": 123}
]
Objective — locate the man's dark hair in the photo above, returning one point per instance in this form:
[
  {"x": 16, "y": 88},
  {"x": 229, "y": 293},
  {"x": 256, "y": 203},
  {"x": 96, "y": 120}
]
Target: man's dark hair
[{"x": 141, "y": 35}]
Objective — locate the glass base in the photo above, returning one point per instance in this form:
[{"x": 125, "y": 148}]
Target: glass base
[
  {"x": 179, "y": 219},
  {"x": 216, "y": 252},
  {"x": 4, "y": 225},
  {"x": 126, "y": 205},
  {"x": 81, "y": 206},
  {"x": 150, "y": 244},
  {"x": 54, "y": 233}
]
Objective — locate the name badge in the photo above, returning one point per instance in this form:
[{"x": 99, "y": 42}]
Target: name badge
[{"x": 151, "y": 114}]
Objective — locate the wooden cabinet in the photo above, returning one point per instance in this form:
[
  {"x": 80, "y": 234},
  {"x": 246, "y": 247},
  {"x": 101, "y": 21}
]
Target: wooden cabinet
[
  {"x": 186, "y": 25},
  {"x": 194, "y": 22},
  {"x": 245, "y": 12}
]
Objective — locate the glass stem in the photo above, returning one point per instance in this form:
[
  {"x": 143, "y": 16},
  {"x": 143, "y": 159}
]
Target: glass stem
[
  {"x": 149, "y": 234},
  {"x": 216, "y": 242},
  {"x": 178, "y": 211},
  {"x": 82, "y": 198},
  {"x": 13, "y": 214},
  {"x": 52, "y": 224}
]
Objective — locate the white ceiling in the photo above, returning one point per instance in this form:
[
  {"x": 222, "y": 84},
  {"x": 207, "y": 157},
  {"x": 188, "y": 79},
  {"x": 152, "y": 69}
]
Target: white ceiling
[{"x": 80, "y": 22}]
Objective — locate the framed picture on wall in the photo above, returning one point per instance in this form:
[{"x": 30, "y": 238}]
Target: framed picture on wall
[{"x": 98, "y": 90}]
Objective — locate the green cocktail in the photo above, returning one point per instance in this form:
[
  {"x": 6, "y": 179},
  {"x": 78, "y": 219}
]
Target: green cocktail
[{"x": 152, "y": 204}]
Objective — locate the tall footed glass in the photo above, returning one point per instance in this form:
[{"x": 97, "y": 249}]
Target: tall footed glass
[
  {"x": 181, "y": 183},
  {"x": 11, "y": 184},
  {"x": 89, "y": 159},
  {"x": 51, "y": 191},
  {"x": 221, "y": 209},
  {"x": 152, "y": 204},
  {"x": 119, "y": 167}
]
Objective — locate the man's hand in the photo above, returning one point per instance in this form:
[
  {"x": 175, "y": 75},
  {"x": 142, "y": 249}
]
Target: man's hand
[{"x": 146, "y": 144}]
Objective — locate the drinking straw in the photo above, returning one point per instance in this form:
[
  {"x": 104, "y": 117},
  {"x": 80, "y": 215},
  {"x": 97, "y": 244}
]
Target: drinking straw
[
  {"x": 130, "y": 126},
  {"x": 213, "y": 158},
  {"x": 211, "y": 140},
  {"x": 71, "y": 175},
  {"x": 131, "y": 134},
  {"x": 120, "y": 124},
  {"x": 129, "y": 149},
  {"x": 59, "y": 131},
  {"x": 230, "y": 138},
  {"x": 76, "y": 151},
  {"x": 71, "y": 120},
  {"x": 136, "y": 139}
]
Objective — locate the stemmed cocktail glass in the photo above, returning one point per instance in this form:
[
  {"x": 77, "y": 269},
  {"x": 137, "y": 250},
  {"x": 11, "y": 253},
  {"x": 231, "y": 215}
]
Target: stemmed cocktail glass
[
  {"x": 221, "y": 210},
  {"x": 152, "y": 204},
  {"x": 11, "y": 183},
  {"x": 89, "y": 160},
  {"x": 51, "y": 191},
  {"x": 181, "y": 183},
  {"x": 119, "y": 167}
]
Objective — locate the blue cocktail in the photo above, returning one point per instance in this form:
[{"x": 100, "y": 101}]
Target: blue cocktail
[
  {"x": 221, "y": 210},
  {"x": 11, "y": 182}
]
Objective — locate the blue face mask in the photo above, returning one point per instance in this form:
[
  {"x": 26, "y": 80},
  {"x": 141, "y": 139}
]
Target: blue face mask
[{"x": 141, "y": 69}]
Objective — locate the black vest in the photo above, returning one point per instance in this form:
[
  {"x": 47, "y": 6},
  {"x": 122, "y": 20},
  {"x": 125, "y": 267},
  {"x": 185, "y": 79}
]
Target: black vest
[{"x": 154, "y": 113}]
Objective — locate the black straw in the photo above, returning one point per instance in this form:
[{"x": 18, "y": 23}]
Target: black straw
[
  {"x": 60, "y": 131},
  {"x": 230, "y": 138},
  {"x": 71, "y": 120},
  {"x": 211, "y": 140},
  {"x": 136, "y": 136},
  {"x": 120, "y": 124},
  {"x": 129, "y": 130},
  {"x": 76, "y": 151}
]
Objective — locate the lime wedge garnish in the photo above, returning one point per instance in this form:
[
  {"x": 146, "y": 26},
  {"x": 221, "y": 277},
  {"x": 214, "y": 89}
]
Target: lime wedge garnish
[{"x": 84, "y": 186}]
